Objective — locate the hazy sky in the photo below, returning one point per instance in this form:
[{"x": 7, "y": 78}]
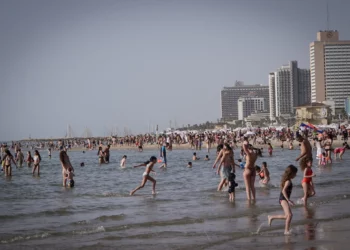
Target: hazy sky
[{"x": 99, "y": 64}]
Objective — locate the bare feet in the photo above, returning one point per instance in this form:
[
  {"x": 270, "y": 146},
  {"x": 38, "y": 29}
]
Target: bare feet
[
  {"x": 269, "y": 218},
  {"x": 287, "y": 233},
  {"x": 153, "y": 192}
]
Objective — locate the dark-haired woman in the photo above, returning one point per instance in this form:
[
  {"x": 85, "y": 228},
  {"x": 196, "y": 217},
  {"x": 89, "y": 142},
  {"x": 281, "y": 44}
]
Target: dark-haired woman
[
  {"x": 65, "y": 162},
  {"x": 8, "y": 158},
  {"x": 36, "y": 163}
]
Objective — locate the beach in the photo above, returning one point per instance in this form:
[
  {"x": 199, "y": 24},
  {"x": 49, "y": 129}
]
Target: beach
[{"x": 186, "y": 213}]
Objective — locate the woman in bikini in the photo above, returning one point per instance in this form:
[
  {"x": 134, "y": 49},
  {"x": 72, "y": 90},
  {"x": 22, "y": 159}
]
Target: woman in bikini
[
  {"x": 249, "y": 171},
  {"x": 37, "y": 160},
  {"x": 8, "y": 158},
  {"x": 327, "y": 148}
]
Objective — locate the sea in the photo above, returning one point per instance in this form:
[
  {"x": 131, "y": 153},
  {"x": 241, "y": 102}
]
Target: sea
[{"x": 186, "y": 213}]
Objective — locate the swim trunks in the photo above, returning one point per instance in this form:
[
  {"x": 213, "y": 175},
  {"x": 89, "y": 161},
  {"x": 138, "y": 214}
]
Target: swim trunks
[{"x": 225, "y": 172}]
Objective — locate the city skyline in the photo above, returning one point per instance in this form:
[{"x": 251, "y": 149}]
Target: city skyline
[{"x": 127, "y": 64}]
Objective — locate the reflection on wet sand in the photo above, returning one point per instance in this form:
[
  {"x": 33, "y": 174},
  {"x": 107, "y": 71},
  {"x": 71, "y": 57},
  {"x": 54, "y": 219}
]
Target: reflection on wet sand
[{"x": 310, "y": 226}]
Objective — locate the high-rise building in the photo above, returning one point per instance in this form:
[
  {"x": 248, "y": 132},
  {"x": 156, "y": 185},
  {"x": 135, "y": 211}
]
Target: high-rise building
[
  {"x": 249, "y": 105},
  {"x": 347, "y": 105},
  {"x": 230, "y": 96},
  {"x": 289, "y": 87},
  {"x": 330, "y": 68},
  {"x": 272, "y": 96}
]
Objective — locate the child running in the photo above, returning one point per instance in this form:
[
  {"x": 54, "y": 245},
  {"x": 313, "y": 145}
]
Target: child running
[
  {"x": 287, "y": 187},
  {"x": 146, "y": 176},
  {"x": 307, "y": 183}
]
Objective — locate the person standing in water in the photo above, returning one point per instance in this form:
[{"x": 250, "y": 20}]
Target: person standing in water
[
  {"x": 37, "y": 160},
  {"x": 49, "y": 152},
  {"x": 29, "y": 159},
  {"x": 146, "y": 176},
  {"x": 305, "y": 151},
  {"x": 20, "y": 158},
  {"x": 225, "y": 166},
  {"x": 163, "y": 155},
  {"x": 106, "y": 154},
  {"x": 65, "y": 162},
  {"x": 249, "y": 170},
  {"x": 123, "y": 161},
  {"x": 7, "y": 159},
  {"x": 284, "y": 200}
]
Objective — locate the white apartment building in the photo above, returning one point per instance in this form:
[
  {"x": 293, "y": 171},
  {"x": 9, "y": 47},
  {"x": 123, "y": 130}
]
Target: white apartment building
[
  {"x": 330, "y": 69},
  {"x": 249, "y": 105},
  {"x": 289, "y": 87},
  {"x": 272, "y": 96}
]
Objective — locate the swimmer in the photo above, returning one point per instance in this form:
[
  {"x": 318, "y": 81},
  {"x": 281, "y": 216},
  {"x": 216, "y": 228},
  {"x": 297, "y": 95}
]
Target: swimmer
[
  {"x": 291, "y": 147},
  {"x": 146, "y": 176},
  {"x": 284, "y": 200},
  {"x": 82, "y": 164},
  {"x": 194, "y": 157},
  {"x": 123, "y": 161},
  {"x": 307, "y": 183},
  {"x": 206, "y": 158},
  {"x": 189, "y": 165}
]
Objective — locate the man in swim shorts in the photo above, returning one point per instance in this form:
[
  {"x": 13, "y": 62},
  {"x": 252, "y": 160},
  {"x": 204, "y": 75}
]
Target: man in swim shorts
[{"x": 305, "y": 151}]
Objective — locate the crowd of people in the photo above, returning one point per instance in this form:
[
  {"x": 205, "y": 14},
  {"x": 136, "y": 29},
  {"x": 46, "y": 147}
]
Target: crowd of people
[{"x": 225, "y": 143}]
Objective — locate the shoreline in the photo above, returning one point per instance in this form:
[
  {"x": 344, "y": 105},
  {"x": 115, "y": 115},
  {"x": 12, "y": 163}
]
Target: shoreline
[{"x": 146, "y": 147}]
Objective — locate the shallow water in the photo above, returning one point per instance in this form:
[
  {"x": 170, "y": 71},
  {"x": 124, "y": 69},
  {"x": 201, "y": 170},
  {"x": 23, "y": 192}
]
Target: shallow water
[{"x": 186, "y": 212}]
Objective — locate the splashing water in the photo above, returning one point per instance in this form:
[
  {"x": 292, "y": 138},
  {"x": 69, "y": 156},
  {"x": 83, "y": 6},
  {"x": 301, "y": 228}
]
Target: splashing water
[{"x": 259, "y": 228}]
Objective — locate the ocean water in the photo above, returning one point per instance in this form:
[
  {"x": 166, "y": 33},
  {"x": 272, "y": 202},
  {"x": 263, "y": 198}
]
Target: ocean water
[{"x": 186, "y": 213}]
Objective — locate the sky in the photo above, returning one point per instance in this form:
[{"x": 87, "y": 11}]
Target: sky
[{"x": 133, "y": 64}]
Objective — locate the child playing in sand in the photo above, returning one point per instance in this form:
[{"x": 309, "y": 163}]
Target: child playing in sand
[
  {"x": 284, "y": 200},
  {"x": 307, "y": 183},
  {"x": 146, "y": 176},
  {"x": 123, "y": 161}
]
